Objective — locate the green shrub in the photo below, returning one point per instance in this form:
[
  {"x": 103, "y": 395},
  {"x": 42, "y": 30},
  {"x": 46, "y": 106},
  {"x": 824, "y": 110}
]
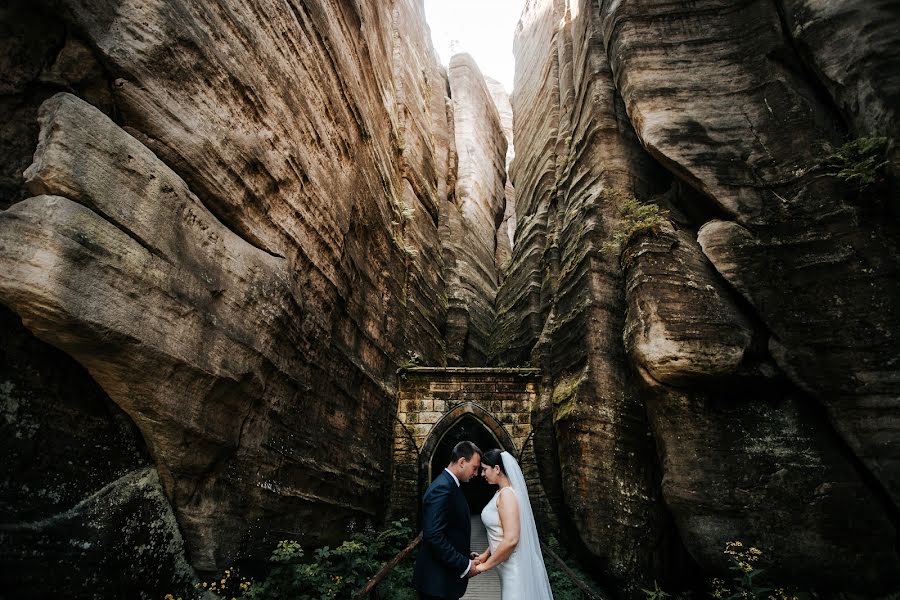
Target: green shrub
[
  {"x": 859, "y": 162},
  {"x": 335, "y": 573},
  {"x": 745, "y": 580},
  {"x": 637, "y": 218},
  {"x": 325, "y": 573},
  {"x": 562, "y": 585}
]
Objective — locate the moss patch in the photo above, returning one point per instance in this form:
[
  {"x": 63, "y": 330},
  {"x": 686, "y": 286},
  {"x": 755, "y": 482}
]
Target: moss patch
[{"x": 564, "y": 395}]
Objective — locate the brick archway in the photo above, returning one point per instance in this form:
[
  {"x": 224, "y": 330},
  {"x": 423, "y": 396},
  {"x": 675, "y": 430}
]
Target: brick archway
[
  {"x": 447, "y": 423},
  {"x": 432, "y": 400},
  {"x": 450, "y": 419}
]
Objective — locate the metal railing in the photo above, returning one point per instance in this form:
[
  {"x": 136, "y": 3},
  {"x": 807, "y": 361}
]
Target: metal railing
[{"x": 369, "y": 588}]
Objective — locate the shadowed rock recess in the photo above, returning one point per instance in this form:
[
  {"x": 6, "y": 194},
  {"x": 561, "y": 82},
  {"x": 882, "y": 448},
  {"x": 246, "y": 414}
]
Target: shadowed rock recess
[{"x": 224, "y": 226}]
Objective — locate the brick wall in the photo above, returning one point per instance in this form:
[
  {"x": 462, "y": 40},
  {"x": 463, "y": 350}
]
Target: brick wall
[{"x": 430, "y": 400}]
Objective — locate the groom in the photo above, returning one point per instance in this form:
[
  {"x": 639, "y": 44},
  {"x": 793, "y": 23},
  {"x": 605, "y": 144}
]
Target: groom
[{"x": 443, "y": 565}]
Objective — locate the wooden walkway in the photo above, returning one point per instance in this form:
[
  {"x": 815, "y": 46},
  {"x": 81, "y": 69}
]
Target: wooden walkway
[{"x": 487, "y": 585}]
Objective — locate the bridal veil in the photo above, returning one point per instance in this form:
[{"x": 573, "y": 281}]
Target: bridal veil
[{"x": 534, "y": 585}]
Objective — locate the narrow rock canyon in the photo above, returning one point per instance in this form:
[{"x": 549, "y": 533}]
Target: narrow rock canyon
[{"x": 225, "y": 226}]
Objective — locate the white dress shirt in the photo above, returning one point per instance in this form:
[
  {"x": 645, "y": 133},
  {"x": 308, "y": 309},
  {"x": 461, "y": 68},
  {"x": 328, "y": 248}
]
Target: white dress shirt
[{"x": 469, "y": 568}]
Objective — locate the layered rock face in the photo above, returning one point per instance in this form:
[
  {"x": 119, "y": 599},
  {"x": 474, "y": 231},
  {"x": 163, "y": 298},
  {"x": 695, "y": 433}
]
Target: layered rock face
[
  {"x": 243, "y": 256},
  {"x": 80, "y": 500},
  {"x": 506, "y": 233},
  {"x": 576, "y": 158},
  {"x": 750, "y": 343},
  {"x": 472, "y": 221},
  {"x": 225, "y": 226}
]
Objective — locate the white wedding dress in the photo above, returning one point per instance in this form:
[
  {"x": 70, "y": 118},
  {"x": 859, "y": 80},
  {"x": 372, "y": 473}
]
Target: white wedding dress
[{"x": 522, "y": 575}]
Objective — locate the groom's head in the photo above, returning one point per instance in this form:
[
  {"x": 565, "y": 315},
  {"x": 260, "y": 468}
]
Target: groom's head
[{"x": 465, "y": 460}]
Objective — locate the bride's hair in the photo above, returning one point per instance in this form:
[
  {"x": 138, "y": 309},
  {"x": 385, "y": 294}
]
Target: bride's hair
[{"x": 492, "y": 458}]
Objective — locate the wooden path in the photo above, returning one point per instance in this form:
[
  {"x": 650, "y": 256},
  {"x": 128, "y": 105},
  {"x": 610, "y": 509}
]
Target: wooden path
[{"x": 487, "y": 585}]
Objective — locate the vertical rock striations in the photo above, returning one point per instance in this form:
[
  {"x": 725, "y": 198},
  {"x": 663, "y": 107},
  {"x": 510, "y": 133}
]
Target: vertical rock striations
[
  {"x": 576, "y": 160},
  {"x": 476, "y": 215},
  {"x": 791, "y": 295},
  {"x": 244, "y": 257},
  {"x": 817, "y": 261},
  {"x": 506, "y": 233}
]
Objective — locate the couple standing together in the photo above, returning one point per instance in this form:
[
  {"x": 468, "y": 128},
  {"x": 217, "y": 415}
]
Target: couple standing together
[{"x": 445, "y": 564}]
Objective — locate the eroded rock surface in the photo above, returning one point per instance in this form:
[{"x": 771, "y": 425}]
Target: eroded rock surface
[
  {"x": 576, "y": 160},
  {"x": 121, "y": 541},
  {"x": 475, "y": 216},
  {"x": 242, "y": 218},
  {"x": 784, "y": 484},
  {"x": 79, "y": 499},
  {"x": 682, "y": 324},
  {"x": 248, "y": 312},
  {"x": 506, "y": 233},
  {"x": 791, "y": 293}
]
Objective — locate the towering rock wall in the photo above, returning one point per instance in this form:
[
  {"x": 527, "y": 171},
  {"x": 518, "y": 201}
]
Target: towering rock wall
[
  {"x": 576, "y": 158},
  {"x": 506, "y": 233},
  {"x": 749, "y": 343},
  {"x": 471, "y": 222},
  {"x": 231, "y": 220}
]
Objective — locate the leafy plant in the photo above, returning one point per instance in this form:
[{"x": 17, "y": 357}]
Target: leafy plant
[
  {"x": 859, "y": 162},
  {"x": 324, "y": 574},
  {"x": 655, "y": 593},
  {"x": 744, "y": 566},
  {"x": 744, "y": 584},
  {"x": 637, "y": 217},
  {"x": 333, "y": 573},
  {"x": 562, "y": 585}
]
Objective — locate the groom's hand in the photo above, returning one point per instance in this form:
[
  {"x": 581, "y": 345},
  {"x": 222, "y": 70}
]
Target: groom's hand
[{"x": 472, "y": 571}]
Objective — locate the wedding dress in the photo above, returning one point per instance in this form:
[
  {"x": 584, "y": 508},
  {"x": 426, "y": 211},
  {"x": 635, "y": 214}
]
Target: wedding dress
[{"x": 522, "y": 575}]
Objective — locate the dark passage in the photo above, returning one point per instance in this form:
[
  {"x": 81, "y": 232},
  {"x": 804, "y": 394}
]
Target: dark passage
[{"x": 477, "y": 490}]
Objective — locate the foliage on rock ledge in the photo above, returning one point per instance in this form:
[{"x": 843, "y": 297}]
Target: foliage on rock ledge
[
  {"x": 859, "y": 162},
  {"x": 637, "y": 217}
]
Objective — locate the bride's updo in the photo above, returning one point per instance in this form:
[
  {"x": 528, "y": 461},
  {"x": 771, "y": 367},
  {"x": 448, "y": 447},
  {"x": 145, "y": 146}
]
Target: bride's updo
[{"x": 492, "y": 458}]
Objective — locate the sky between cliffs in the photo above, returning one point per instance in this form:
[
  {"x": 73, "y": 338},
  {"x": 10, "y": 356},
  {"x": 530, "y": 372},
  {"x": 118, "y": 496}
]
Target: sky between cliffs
[{"x": 483, "y": 28}]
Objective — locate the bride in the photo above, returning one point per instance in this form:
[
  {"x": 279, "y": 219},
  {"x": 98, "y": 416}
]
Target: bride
[{"x": 513, "y": 548}]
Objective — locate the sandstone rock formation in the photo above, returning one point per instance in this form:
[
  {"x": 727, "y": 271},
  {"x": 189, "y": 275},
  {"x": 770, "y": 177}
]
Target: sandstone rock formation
[
  {"x": 79, "y": 499},
  {"x": 506, "y": 233},
  {"x": 790, "y": 296},
  {"x": 473, "y": 220},
  {"x": 682, "y": 323},
  {"x": 232, "y": 223},
  {"x": 244, "y": 257},
  {"x": 576, "y": 158}
]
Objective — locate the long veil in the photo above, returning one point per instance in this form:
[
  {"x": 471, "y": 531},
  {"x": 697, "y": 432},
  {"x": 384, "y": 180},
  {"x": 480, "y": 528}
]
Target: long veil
[{"x": 535, "y": 584}]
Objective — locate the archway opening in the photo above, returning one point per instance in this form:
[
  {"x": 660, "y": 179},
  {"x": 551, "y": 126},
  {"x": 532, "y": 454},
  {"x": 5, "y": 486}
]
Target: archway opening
[{"x": 477, "y": 490}]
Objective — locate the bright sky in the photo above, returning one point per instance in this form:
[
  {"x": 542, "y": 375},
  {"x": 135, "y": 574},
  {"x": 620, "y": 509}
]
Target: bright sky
[{"x": 483, "y": 28}]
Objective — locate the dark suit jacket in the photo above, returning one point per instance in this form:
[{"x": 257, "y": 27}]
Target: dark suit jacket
[{"x": 446, "y": 529}]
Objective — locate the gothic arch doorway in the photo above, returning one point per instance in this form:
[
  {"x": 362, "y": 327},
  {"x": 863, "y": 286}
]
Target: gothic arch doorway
[
  {"x": 432, "y": 400},
  {"x": 465, "y": 422}
]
